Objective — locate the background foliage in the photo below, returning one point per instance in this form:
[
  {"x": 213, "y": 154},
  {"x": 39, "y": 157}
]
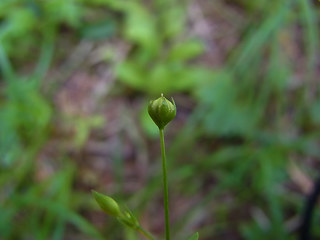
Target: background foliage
[{"x": 76, "y": 76}]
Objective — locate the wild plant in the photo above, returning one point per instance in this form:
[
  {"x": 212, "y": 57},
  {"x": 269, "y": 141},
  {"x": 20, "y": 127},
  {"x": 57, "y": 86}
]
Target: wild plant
[{"x": 162, "y": 111}]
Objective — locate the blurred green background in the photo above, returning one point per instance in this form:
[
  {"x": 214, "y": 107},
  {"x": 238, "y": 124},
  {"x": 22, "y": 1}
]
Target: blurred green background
[{"x": 77, "y": 75}]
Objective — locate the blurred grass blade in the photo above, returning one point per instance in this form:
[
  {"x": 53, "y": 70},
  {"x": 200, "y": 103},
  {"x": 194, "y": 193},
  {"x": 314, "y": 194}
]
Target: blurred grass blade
[
  {"x": 256, "y": 39},
  {"x": 45, "y": 58},
  {"x": 5, "y": 65},
  {"x": 311, "y": 39}
]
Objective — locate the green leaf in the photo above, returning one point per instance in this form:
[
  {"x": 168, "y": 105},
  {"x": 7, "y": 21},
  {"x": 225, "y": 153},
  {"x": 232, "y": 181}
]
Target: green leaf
[
  {"x": 194, "y": 236},
  {"x": 140, "y": 27},
  {"x": 99, "y": 30},
  {"x": 131, "y": 74},
  {"x": 186, "y": 51},
  {"x": 172, "y": 20}
]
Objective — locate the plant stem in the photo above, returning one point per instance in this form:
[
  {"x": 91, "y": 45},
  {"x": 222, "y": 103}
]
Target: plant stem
[
  {"x": 165, "y": 184},
  {"x": 145, "y": 233}
]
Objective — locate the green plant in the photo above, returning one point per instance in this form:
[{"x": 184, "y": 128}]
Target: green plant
[
  {"x": 35, "y": 21},
  {"x": 32, "y": 206},
  {"x": 162, "y": 111},
  {"x": 160, "y": 56}
]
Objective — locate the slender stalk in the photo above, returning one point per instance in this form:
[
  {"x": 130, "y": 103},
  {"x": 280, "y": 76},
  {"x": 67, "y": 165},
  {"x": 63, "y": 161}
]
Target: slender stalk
[
  {"x": 165, "y": 184},
  {"x": 145, "y": 233},
  {"x": 311, "y": 201}
]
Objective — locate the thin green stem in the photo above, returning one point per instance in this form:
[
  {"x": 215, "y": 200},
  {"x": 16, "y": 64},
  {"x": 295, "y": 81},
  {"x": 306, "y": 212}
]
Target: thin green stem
[
  {"x": 145, "y": 233},
  {"x": 165, "y": 184}
]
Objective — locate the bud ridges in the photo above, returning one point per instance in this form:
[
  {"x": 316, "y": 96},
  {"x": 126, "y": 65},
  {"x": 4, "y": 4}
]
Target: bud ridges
[{"x": 162, "y": 111}]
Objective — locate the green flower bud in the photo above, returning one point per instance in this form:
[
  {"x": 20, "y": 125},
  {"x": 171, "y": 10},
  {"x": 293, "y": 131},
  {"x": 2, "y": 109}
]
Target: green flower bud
[
  {"x": 107, "y": 204},
  {"x": 162, "y": 111}
]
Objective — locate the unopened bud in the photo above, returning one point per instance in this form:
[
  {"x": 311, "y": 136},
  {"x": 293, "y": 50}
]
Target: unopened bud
[
  {"x": 162, "y": 111},
  {"x": 107, "y": 204}
]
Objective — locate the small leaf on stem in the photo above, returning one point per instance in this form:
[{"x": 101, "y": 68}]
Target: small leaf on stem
[{"x": 194, "y": 236}]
